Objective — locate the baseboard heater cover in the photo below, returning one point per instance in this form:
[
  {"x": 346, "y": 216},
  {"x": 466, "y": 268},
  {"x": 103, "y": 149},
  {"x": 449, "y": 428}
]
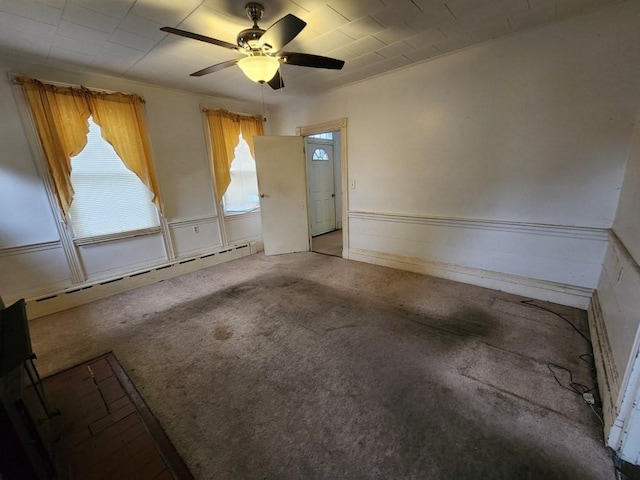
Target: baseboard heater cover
[{"x": 75, "y": 296}]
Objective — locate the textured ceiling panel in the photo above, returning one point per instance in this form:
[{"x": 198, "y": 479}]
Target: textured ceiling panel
[{"x": 123, "y": 37}]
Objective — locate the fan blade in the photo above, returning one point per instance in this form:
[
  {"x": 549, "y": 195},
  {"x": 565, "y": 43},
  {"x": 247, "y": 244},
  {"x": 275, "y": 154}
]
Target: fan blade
[
  {"x": 214, "y": 68},
  {"x": 282, "y": 32},
  {"x": 307, "y": 60},
  {"x": 276, "y": 82},
  {"x": 202, "y": 38}
]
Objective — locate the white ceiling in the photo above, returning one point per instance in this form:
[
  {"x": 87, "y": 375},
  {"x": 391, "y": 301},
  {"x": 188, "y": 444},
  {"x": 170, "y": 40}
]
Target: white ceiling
[{"x": 122, "y": 37}]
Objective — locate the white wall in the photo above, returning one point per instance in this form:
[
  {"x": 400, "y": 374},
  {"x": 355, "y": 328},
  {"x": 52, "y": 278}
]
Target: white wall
[
  {"x": 532, "y": 129},
  {"x": 627, "y": 223},
  {"x": 29, "y": 240},
  {"x": 618, "y": 307},
  {"x": 620, "y": 281},
  {"x": 26, "y": 217}
]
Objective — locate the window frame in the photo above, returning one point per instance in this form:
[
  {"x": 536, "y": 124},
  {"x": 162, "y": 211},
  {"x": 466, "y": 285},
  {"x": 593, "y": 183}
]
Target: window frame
[
  {"x": 63, "y": 223},
  {"x": 67, "y": 242}
]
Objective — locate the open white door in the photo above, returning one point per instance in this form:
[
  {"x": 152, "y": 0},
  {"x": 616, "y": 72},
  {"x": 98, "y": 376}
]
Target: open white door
[{"x": 282, "y": 182}]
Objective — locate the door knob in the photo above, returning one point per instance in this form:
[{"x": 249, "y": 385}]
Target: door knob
[
  {"x": 333, "y": 195},
  {"x": 262, "y": 195}
]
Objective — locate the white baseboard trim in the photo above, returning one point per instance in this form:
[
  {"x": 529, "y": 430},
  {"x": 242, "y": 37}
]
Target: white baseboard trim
[
  {"x": 607, "y": 372},
  {"x": 88, "y": 292},
  {"x": 569, "y": 295}
]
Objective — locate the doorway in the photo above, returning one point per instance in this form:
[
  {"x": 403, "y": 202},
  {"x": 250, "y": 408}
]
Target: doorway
[
  {"x": 324, "y": 180},
  {"x": 338, "y": 130}
]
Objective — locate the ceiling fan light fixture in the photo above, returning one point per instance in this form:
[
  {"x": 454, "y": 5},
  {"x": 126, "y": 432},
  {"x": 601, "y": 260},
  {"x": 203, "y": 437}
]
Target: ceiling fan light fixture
[
  {"x": 259, "y": 68},
  {"x": 264, "y": 49}
]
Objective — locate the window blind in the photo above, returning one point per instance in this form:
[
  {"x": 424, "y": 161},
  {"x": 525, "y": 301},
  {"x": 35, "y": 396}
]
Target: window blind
[
  {"x": 108, "y": 198},
  {"x": 242, "y": 193}
]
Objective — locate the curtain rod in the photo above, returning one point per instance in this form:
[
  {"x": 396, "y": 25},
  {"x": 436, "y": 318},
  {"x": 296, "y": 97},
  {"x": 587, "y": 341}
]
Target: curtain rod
[
  {"x": 204, "y": 109},
  {"x": 255, "y": 116},
  {"x": 15, "y": 79}
]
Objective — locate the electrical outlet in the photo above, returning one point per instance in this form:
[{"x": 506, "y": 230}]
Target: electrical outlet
[{"x": 196, "y": 229}]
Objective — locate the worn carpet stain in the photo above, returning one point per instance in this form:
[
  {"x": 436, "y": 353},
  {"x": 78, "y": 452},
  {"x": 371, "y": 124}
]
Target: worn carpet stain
[{"x": 222, "y": 332}]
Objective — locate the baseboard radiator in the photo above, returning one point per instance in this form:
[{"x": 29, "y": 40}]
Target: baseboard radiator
[{"x": 91, "y": 291}]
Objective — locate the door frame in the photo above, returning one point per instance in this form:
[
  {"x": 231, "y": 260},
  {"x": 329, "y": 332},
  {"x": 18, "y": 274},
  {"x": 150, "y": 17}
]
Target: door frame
[{"x": 332, "y": 126}]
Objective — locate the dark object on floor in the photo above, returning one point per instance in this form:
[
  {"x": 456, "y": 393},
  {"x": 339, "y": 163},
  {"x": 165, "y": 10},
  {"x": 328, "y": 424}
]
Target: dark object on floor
[
  {"x": 25, "y": 443},
  {"x": 15, "y": 343},
  {"x": 106, "y": 429},
  {"x": 626, "y": 471}
]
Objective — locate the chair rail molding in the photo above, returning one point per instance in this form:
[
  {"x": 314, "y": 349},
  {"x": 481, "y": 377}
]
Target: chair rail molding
[
  {"x": 31, "y": 248},
  {"x": 591, "y": 233}
]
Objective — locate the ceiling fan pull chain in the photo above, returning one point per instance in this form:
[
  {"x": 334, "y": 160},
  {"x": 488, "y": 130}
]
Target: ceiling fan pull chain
[{"x": 264, "y": 110}]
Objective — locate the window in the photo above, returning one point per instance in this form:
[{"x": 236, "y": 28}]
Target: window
[
  {"x": 320, "y": 154},
  {"x": 242, "y": 193},
  {"x": 108, "y": 197},
  {"x": 234, "y": 167},
  {"x": 323, "y": 136},
  {"x": 106, "y": 173}
]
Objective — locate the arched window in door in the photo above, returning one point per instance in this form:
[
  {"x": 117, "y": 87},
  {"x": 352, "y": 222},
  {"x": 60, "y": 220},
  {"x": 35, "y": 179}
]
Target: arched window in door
[{"x": 320, "y": 154}]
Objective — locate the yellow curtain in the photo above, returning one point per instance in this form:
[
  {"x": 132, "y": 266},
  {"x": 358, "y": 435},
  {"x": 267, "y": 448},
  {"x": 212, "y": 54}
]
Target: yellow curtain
[
  {"x": 121, "y": 120},
  {"x": 251, "y": 127},
  {"x": 224, "y": 130},
  {"x": 60, "y": 115}
]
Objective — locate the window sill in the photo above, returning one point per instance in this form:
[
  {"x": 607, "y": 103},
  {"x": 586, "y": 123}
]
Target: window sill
[{"x": 115, "y": 236}]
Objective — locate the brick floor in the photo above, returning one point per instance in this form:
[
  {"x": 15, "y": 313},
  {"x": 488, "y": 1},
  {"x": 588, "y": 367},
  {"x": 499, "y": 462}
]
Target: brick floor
[{"x": 105, "y": 430}]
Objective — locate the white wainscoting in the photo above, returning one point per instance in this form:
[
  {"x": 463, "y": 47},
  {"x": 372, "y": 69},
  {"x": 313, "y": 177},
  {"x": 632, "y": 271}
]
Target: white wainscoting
[
  {"x": 619, "y": 297},
  {"x": 244, "y": 227},
  {"x": 615, "y": 312},
  {"x": 90, "y": 291},
  {"x": 32, "y": 270},
  {"x": 607, "y": 372},
  {"x": 547, "y": 262},
  {"x": 198, "y": 235},
  {"x": 106, "y": 259}
]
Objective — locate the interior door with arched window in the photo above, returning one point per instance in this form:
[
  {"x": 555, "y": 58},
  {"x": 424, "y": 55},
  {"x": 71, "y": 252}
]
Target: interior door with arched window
[{"x": 321, "y": 186}]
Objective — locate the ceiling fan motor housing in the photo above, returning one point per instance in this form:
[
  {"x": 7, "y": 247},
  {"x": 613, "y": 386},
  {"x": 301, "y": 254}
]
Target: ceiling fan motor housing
[{"x": 248, "y": 39}]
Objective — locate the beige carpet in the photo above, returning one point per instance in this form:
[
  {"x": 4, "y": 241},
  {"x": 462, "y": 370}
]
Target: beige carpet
[{"x": 309, "y": 366}]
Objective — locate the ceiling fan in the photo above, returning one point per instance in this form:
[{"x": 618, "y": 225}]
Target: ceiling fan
[{"x": 263, "y": 49}]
